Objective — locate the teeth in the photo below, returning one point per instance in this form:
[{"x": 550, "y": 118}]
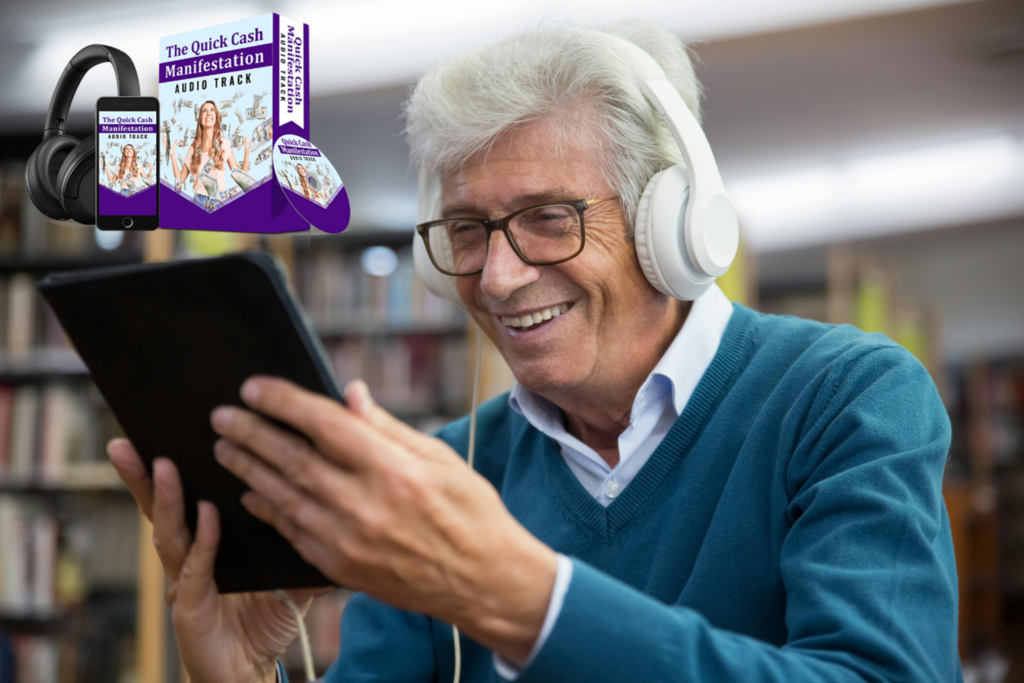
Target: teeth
[{"x": 529, "y": 320}]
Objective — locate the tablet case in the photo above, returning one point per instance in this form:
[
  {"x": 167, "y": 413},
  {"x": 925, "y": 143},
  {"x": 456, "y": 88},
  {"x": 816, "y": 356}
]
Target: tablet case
[{"x": 166, "y": 343}]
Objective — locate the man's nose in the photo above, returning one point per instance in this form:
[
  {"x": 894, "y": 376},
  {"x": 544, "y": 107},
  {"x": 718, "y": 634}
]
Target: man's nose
[{"x": 504, "y": 272}]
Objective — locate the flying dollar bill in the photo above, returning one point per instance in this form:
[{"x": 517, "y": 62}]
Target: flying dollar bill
[
  {"x": 148, "y": 182},
  {"x": 209, "y": 183},
  {"x": 224, "y": 127},
  {"x": 187, "y": 104},
  {"x": 248, "y": 114},
  {"x": 262, "y": 132},
  {"x": 256, "y": 100},
  {"x": 238, "y": 115},
  {"x": 237, "y": 96},
  {"x": 264, "y": 155},
  {"x": 197, "y": 112},
  {"x": 232, "y": 191},
  {"x": 225, "y": 104},
  {"x": 237, "y": 140},
  {"x": 244, "y": 180}
]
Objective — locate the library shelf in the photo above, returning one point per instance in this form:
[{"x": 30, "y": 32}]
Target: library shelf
[
  {"x": 40, "y": 364},
  {"x": 60, "y": 489},
  {"x": 42, "y": 264}
]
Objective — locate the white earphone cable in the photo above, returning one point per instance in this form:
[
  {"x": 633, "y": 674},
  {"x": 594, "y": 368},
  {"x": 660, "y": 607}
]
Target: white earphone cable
[
  {"x": 307, "y": 653},
  {"x": 469, "y": 459}
]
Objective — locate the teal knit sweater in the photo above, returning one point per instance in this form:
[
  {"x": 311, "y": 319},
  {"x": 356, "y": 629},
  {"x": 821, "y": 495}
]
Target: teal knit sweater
[{"x": 790, "y": 527}]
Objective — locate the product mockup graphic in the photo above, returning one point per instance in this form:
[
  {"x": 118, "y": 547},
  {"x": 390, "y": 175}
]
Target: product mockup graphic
[
  {"x": 311, "y": 184},
  {"x": 226, "y": 93},
  {"x": 126, "y": 147}
]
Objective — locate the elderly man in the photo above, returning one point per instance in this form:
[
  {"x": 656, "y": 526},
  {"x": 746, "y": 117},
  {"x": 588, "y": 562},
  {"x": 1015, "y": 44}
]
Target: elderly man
[{"x": 673, "y": 491}]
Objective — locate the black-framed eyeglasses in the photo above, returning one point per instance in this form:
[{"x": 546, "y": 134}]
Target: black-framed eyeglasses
[{"x": 540, "y": 235}]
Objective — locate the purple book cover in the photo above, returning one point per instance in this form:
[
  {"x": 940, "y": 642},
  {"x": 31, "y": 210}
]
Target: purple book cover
[{"x": 225, "y": 92}]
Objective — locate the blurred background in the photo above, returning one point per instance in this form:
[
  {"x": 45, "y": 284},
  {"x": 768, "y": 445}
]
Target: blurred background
[{"x": 874, "y": 149}]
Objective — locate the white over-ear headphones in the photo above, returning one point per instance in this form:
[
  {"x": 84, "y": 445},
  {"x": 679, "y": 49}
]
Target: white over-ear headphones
[{"x": 686, "y": 228}]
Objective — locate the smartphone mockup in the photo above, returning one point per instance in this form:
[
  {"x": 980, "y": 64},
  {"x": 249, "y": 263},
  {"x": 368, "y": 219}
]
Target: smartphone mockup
[{"x": 127, "y": 163}]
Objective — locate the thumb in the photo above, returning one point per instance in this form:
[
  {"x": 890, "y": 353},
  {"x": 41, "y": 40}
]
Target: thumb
[{"x": 195, "y": 583}]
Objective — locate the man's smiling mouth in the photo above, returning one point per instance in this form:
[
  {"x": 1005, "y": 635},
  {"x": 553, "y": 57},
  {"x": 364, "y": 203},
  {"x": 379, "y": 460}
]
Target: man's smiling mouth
[{"x": 528, "y": 320}]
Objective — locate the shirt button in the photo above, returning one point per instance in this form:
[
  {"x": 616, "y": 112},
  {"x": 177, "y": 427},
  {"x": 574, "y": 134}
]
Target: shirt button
[{"x": 611, "y": 489}]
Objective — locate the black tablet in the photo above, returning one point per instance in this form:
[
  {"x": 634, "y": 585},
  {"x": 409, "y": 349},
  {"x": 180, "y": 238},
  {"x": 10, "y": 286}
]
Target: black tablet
[{"x": 168, "y": 342}]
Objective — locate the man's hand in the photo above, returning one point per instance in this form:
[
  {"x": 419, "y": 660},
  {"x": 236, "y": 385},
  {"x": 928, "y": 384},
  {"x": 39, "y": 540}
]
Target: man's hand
[
  {"x": 381, "y": 508},
  {"x": 221, "y": 638}
]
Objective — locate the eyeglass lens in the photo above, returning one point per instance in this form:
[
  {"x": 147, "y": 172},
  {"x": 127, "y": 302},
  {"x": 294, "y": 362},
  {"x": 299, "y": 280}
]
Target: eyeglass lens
[{"x": 543, "y": 235}]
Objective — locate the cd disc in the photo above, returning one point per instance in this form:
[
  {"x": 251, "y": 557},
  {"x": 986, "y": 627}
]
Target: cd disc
[{"x": 321, "y": 200}]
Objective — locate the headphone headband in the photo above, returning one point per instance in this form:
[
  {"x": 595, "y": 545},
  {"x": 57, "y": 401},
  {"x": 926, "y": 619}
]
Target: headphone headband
[
  {"x": 67, "y": 85},
  {"x": 712, "y": 232}
]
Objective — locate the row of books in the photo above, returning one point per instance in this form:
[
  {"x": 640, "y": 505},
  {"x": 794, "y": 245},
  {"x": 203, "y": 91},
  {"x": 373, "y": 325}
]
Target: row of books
[
  {"x": 26, "y": 321},
  {"x": 408, "y": 375},
  {"x": 56, "y": 554},
  {"x": 28, "y": 537},
  {"x": 336, "y": 290},
  {"x": 55, "y": 434},
  {"x": 29, "y": 659}
]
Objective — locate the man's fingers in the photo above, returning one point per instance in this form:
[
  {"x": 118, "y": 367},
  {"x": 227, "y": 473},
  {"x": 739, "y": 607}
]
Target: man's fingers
[
  {"x": 288, "y": 501},
  {"x": 288, "y": 453},
  {"x": 195, "y": 584},
  {"x": 170, "y": 534},
  {"x": 357, "y": 394},
  {"x": 133, "y": 473},
  {"x": 335, "y": 431}
]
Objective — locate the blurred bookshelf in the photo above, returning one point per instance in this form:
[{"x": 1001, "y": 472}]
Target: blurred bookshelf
[
  {"x": 68, "y": 528},
  {"x": 378, "y": 322}
]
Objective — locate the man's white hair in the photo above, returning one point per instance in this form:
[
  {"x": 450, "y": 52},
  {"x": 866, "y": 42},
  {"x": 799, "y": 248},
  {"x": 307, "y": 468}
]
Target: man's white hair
[{"x": 564, "y": 74}]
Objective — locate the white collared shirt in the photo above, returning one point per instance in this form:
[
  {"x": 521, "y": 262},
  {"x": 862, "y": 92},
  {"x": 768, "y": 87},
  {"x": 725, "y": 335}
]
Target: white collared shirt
[{"x": 659, "y": 402}]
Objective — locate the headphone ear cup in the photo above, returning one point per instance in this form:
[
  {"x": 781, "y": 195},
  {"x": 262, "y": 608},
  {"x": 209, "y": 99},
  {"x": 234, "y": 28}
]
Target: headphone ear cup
[
  {"x": 42, "y": 171},
  {"x": 643, "y": 237},
  {"x": 76, "y": 182},
  {"x": 660, "y": 235}
]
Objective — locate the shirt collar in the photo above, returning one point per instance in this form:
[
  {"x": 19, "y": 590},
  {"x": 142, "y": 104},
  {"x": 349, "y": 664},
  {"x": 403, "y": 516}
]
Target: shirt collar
[{"x": 678, "y": 371}]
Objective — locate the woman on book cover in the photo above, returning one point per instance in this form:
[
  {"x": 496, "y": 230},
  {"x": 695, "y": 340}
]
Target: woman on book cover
[
  {"x": 125, "y": 178},
  {"x": 311, "y": 194},
  {"x": 206, "y": 157}
]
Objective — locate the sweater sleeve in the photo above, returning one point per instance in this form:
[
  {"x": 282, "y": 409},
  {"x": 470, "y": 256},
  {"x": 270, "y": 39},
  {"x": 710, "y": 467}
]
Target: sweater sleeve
[
  {"x": 382, "y": 644},
  {"x": 867, "y": 562}
]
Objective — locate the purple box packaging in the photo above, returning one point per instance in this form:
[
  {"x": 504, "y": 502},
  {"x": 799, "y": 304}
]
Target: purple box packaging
[{"x": 232, "y": 88}]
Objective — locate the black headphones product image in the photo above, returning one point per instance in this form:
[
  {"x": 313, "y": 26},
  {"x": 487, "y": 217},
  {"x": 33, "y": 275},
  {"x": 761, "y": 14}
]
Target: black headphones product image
[{"x": 60, "y": 175}]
